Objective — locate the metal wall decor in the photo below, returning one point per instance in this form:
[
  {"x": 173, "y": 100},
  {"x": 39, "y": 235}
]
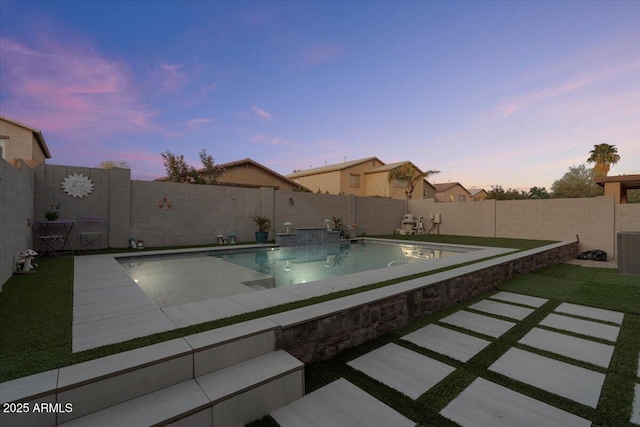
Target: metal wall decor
[{"x": 77, "y": 185}]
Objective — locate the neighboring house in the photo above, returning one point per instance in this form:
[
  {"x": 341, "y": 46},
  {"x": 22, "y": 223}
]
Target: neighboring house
[
  {"x": 22, "y": 142},
  {"x": 367, "y": 177},
  {"x": 249, "y": 173},
  {"x": 478, "y": 195},
  {"x": 617, "y": 186},
  {"x": 340, "y": 178},
  {"x": 451, "y": 192}
]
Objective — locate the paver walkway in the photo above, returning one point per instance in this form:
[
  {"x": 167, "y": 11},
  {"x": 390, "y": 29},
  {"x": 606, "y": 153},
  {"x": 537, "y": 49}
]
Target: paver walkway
[
  {"x": 339, "y": 403},
  {"x": 483, "y": 402}
]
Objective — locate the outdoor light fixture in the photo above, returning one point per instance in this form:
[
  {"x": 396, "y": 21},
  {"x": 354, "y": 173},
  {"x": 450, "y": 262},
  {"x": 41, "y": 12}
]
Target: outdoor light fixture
[{"x": 291, "y": 201}]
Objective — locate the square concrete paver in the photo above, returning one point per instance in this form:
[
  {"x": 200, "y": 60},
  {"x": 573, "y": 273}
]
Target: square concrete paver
[
  {"x": 570, "y": 381},
  {"x": 446, "y": 341},
  {"x": 569, "y": 346},
  {"x": 476, "y": 322},
  {"x": 635, "y": 411},
  {"x": 502, "y": 309},
  {"x": 402, "y": 369},
  {"x": 591, "y": 313},
  {"x": 484, "y": 403},
  {"x": 520, "y": 299},
  {"x": 339, "y": 403},
  {"x": 582, "y": 327}
]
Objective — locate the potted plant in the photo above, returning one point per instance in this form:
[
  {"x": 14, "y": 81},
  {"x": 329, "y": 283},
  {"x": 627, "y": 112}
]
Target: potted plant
[
  {"x": 52, "y": 214},
  {"x": 263, "y": 223}
]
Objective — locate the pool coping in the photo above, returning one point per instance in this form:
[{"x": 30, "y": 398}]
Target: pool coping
[{"x": 109, "y": 307}]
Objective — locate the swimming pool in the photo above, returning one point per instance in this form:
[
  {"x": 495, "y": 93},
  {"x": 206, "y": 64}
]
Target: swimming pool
[{"x": 176, "y": 279}]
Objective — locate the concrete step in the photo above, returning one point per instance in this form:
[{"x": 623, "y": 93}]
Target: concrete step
[
  {"x": 117, "y": 379},
  {"x": 232, "y": 396}
]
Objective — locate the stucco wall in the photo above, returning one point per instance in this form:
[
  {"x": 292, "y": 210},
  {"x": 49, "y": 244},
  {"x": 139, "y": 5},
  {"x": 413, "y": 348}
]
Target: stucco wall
[
  {"x": 329, "y": 181},
  {"x": 16, "y": 210}
]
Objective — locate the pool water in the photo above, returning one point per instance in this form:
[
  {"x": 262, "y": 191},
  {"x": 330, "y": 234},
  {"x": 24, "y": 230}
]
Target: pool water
[{"x": 171, "y": 280}]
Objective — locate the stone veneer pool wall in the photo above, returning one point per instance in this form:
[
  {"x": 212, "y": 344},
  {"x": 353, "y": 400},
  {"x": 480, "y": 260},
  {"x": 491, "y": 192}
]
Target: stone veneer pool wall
[{"x": 322, "y": 337}]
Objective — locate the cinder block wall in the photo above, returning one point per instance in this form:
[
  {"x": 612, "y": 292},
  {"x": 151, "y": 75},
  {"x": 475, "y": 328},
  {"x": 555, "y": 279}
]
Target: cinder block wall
[
  {"x": 170, "y": 214},
  {"x": 465, "y": 219},
  {"x": 595, "y": 220},
  {"x": 109, "y": 199},
  {"x": 16, "y": 210},
  {"x": 379, "y": 216},
  {"x": 308, "y": 209},
  {"x": 559, "y": 219}
]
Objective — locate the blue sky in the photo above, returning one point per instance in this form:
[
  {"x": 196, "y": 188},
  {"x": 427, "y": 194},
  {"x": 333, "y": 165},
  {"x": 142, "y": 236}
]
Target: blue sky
[{"x": 489, "y": 93}]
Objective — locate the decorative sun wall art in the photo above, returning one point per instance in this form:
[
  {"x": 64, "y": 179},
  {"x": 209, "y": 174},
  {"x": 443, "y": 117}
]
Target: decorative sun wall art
[{"x": 77, "y": 185}]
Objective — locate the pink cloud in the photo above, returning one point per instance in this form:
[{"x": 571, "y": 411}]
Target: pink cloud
[
  {"x": 322, "y": 53},
  {"x": 195, "y": 124},
  {"x": 173, "y": 79},
  {"x": 259, "y": 112},
  {"x": 71, "y": 89},
  {"x": 272, "y": 140},
  {"x": 576, "y": 83}
]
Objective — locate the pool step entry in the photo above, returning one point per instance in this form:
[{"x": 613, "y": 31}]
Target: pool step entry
[{"x": 225, "y": 377}]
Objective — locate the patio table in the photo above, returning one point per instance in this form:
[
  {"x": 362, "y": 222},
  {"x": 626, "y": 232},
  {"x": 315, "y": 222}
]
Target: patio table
[{"x": 49, "y": 232}]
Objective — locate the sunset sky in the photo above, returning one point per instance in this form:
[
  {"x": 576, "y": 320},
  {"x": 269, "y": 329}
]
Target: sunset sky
[{"x": 489, "y": 93}]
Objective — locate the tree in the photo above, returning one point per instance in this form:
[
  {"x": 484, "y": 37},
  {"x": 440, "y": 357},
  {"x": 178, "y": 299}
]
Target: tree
[
  {"x": 603, "y": 155},
  {"x": 538, "y": 193},
  {"x": 499, "y": 193},
  {"x": 410, "y": 176},
  {"x": 114, "y": 164},
  {"x": 633, "y": 196},
  {"x": 578, "y": 182},
  {"x": 178, "y": 170}
]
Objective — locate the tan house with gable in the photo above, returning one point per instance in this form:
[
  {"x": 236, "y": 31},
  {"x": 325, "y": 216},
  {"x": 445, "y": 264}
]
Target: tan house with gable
[
  {"x": 21, "y": 142},
  {"x": 249, "y": 173},
  {"x": 451, "y": 192},
  {"x": 368, "y": 177},
  {"x": 340, "y": 178},
  {"x": 477, "y": 195}
]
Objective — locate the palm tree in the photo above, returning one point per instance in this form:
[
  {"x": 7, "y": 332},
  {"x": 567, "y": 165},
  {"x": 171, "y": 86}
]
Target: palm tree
[
  {"x": 603, "y": 155},
  {"x": 410, "y": 176}
]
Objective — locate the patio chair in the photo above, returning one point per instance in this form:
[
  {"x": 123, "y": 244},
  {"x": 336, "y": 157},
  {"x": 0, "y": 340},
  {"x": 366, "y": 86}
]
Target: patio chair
[
  {"x": 45, "y": 240},
  {"x": 89, "y": 233}
]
